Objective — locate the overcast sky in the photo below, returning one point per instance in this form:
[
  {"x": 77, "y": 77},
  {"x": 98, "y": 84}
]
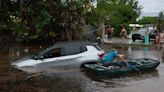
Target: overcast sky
[{"x": 151, "y": 7}]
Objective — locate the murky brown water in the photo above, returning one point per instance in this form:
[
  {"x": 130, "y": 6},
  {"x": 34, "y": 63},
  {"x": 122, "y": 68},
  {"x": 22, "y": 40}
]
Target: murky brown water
[{"x": 77, "y": 80}]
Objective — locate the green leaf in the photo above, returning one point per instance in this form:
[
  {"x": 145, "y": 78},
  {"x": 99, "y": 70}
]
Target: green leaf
[{"x": 52, "y": 34}]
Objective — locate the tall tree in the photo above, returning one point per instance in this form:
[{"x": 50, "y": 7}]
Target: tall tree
[
  {"x": 64, "y": 19},
  {"x": 118, "y": 12},
  {"x": 43, "y": 19},
  {"x": 148, "y": 20}
]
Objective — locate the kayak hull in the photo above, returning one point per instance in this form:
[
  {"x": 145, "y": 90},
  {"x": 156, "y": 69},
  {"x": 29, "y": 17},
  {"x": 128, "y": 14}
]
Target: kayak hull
[{"x": 120, "y": 68}]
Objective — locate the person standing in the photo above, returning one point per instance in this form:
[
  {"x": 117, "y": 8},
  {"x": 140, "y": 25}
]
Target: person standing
[
  {"x": 110, "y": 33},
  {"x": 157, "y": 37},
  {"x": 146, "y": 38},
  {"x": 123, "y": 33}
]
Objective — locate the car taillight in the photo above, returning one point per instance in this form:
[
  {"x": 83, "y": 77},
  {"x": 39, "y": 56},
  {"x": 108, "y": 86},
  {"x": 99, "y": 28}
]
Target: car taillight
[{"x": 101, "y": 56}]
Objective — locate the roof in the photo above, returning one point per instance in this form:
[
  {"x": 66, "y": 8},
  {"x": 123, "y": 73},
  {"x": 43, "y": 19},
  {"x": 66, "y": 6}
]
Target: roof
[
  {"x": 135, "y": 25},
  {"x": 72, "y": 43},
  {"x": 68, "y": 47}
]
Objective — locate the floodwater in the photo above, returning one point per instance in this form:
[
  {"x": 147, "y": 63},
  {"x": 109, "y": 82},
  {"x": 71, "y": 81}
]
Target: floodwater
[{"x": 49, "y": 79}]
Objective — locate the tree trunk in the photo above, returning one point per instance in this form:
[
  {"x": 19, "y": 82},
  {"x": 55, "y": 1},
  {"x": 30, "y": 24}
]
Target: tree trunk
[
  {"x": 0, "y": 5},
  {"x": 102, "y": 30},
  {"x": 68, "y": 35},
  {"x": 162, "y": 27},
  {"x": 21, "y": 5}
]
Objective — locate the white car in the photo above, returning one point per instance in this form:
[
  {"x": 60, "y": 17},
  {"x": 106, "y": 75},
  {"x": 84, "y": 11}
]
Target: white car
[{"x": 64, "y": 54}]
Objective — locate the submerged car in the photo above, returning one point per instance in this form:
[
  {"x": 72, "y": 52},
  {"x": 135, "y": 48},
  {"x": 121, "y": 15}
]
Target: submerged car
[
  {"x": 64, "y": 54},
  {"x": 139, "y": 35}
]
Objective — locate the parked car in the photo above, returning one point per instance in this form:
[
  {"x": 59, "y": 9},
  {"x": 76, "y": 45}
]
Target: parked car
[
  {"x": 139, "y": 35},
  {"x": 64, "y": 54}
]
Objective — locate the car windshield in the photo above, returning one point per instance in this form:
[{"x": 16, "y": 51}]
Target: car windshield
[
  {"x": 143, "y": 30},
  {"x": 39, "y": 54}
]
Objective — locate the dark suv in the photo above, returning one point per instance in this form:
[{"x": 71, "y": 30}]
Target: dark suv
[{"x": 139, "y": 35}]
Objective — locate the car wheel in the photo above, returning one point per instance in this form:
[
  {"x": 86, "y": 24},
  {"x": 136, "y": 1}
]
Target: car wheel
[{"x": 133, "y": 40}]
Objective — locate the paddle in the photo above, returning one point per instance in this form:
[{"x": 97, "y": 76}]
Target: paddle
[
  {"x": 100, "y": 65},
  {"x": 129, "y": 65}
]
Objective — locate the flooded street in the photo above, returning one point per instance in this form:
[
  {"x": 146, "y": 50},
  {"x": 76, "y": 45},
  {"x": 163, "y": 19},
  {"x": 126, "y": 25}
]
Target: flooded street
[{"x": 67, "y": 79}]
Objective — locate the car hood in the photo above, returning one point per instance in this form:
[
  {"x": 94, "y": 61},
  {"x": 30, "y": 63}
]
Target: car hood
[{"x": 20, "y": 61}]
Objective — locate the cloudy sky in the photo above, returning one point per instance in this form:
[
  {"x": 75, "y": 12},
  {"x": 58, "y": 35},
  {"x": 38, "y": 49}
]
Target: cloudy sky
[{"x": 151, "y": 7}]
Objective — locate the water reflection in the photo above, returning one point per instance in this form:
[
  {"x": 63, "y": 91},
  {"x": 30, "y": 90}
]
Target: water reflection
[
  {"x": 163, "y": 55},
  {"x": 123, "y": 81},
  {"x": 49, "y": 82},
  {"x": 161, "y": 49},
  {"x": 130, "y": 49},
  {"x": 55, "y": 70},
  {"x": 145, "y": 52}
]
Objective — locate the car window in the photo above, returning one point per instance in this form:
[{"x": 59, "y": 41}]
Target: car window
[
  {"x": 56, "y": 52},
  {"x": 143, "y": 30},
  {"x": 71, "y": 50}
]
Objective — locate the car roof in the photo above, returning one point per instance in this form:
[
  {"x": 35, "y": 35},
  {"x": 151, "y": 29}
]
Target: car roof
[
  {"x": 69, "y": 46},
  {"x": 72, "y": 43}
]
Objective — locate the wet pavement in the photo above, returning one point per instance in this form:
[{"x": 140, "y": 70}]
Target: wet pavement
[
  {"x": 128, "y": 40},
  {"x": 49, "y": 79},
  {"x": 117, "y": 40}
]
